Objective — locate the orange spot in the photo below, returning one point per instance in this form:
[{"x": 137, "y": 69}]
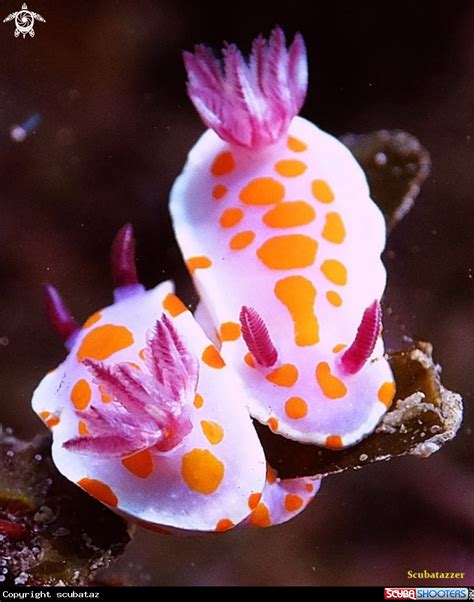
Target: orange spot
[
  {"x": 198, "y": 401},
  {"x": 297, "y": 146},
  {"x": 134, "y": 366},
  {"x": 387, "y": 393},
  {"x": 334, "y": 230},
  {"x": 202, "y": 471},
  {"x": 140, "y": 464},
  {"x": 231, "y": 217},
  {"x": 213, "y": 432},
  {"x": 309, "y": 487},
  {"x": 271, "y": 475},
  {"x": 219, "y": 191},
  {"x": 104, "y": 341},
  {"x": 230, "y": 331},
  {"x": 330, "y": 385},
  {"x": 273, "y": 424},
  {"x": 249, "y": 360},
  {"x": 339, "y": 347},
  {"x": 173, "y": 305},
  {"x": 262, "y": 191},
  {"x": 81, "y": 394},
  {"x": 296, "y": 408},
  {"x": 141, "y": 354},
  {"x": 334, "y": 271},
  {"x": 293, "y": 502},
  {"x": 198, "y": 263},
  {"x": 334, "y": 442},
  {"x": 224, "y": 525},
  {"x": 260, "y": 516},
  {"x": 212, "y": 357},
  {"x": 82, "y": 428},
  {"x": 289, "y": 215},
  {"x": 50, "y": 420},
  {"x": 298, "y": 295},
  {"x": 334, "y": 298},
  {"x": 105, "y": 397},
  {"x": 92, "y": 319},
  {"x": 322, "y": 191},
  {"x": 284, "y": 376},
  {"x": 242, "y": 240},
  {"x": 254, "y": 499},
  {"x": 99, "y": 490},
  {"x": 288, "y": 252},
  {"x": 223, "y": 164},
  {"x": 290, "y": 168}
]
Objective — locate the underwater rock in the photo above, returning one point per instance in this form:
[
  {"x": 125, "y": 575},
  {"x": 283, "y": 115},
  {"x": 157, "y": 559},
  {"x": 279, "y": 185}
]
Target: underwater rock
[
  {"x": 424, "y": 416},
  {"x": 395, "y": 164},
  {"x": 51, "y": 532}
]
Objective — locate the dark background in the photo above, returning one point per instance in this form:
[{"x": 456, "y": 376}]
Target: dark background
[{"x": 107, "y": 80}]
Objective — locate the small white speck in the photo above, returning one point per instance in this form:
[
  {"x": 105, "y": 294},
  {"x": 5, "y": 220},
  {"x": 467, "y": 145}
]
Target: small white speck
[
  {"x": 380, "y": 159},
  {"x": 363, "y": 457}
]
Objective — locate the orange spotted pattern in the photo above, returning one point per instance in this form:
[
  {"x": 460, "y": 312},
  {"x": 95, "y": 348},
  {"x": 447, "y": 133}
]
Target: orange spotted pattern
[
  {"x": 101, "y": 491},
  {"x": 81, "y": 394},
  {"x": 293, "y": 502},
  {"x": 140, "y": 464},
  {"x": 288, "y": 252},
  {"x": 173, "y": 305},
  {"x": 386, "y": 393},
  {"x": 202, "y": 471},
  {"x": 92, "y": 320},
  {"x": 231, "y": 217},
  {"x": 273, "y": 424},
  {"x": 242, "y": 240},
  {"x": 262, "y": 191},
  {"x": 285, "y": 375},
  {"x": 335, "y": 271},
  {"x": 198, "y": 263},
  {"x": 213, "y": 432},
  {"x": 334, "y": 442},
  {"x": 296, "y": 408},
  {"x": 322, "y": 191},
  {"x": 51, "y": 420},
  {"x": 298, "y": 294},
  {"x": 223, "y": 164},
  {"x": 224, "y": 525},
  {"x": 212, "y": 357},
  {"x": 334, "y": 298},
  {"x": 260, "y": 516},
  {"x": 254, "y": 500},
  {"x": 219, "y": 191},
  {"x": 249, "y": 360},
  {"x": 198, "y": 401},
  {"x": 330, "y": 385},
  {"x": 289, "y": 214},
  {"x": 297, "y": 146},
  {"x": 82, "y": 428},
  {"x": 290, "y": 168},
  {"x": 230, "y": 331},
  {"x": 334, "y": 230},
  {"x": 103, "y": 341}
]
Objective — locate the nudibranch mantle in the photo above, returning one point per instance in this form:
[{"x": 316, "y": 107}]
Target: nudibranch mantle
[
  {"x": 289, "y": 230},
  {"x": 212, "y": 475}
]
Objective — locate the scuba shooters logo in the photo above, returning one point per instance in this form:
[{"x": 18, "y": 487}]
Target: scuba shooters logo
[{"x": 428, "y": 593}]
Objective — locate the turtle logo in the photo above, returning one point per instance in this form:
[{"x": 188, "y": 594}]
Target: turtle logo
[{"x": 24, "y": 21}]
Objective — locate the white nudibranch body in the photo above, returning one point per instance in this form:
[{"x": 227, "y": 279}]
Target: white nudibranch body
[{"x": 283, "y": 242}]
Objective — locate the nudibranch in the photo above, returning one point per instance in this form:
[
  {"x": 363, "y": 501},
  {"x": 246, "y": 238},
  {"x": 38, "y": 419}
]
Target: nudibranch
[
  {"x": 275, "y": 222},
  {"x": 147, "y": 418}
]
